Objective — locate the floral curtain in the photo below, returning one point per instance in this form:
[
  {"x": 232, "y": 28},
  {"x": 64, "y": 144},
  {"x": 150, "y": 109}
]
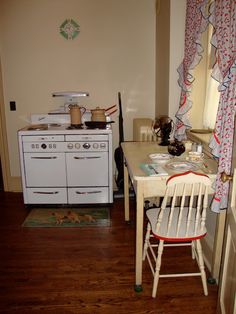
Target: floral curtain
[
  {"x": 223, "y": 19},
  {"x": 222, "y": 16},
  {"x": 195, "y": 24}
]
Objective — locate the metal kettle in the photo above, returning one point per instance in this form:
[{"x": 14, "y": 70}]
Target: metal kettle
[{"x": 76, "y": 114}]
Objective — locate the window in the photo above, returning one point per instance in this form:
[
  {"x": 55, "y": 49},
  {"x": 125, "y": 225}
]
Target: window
[
  {"x": 204, "y": 95},
  {"x": 211, "y": 95}
]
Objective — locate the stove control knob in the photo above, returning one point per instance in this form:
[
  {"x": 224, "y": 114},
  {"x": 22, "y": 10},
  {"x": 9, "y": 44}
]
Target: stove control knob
[
  {"x": 86, "y": 145},
  {"x": 70, "y": 146},
  {"x": 95, "y": 145},
  {"x": 77, "y": 145},
  {"x": 103, "y": 145},
  {"x": 44, "y": 146}
]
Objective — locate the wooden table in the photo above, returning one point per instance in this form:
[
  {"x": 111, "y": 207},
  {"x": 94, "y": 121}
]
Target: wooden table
[{"x": 145, "y": 186}]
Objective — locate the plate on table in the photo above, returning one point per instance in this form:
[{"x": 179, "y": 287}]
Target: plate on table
[
  {"x": 182, "y": 166},
  {"x": 160, "y": 158}
]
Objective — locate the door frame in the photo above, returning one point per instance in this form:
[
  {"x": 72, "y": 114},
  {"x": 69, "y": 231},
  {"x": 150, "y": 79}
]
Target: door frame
[
  {"x": 229, "y": 221},
  {"x": 4, "y": 153},
  {"x": 229, "y": 225}
]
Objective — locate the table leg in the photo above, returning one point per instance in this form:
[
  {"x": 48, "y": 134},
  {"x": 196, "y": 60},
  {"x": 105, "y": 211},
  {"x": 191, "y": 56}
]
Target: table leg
[
  {"x": 139, "y": 237},
  {"x": 126, "y": 192}
]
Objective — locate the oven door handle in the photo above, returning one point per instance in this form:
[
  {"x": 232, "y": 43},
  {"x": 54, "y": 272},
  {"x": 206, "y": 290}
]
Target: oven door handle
[
  {"x": 52, "y": 157},
  {"x": 91, "y": 157},
  {"x": 88, "y": 192},
  {"x": 40, "y": 192}
]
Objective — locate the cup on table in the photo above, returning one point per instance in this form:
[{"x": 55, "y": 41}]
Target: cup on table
[
  {"x": 188, "y": 145},
  {"x": 197, "y": 147},
  {"x": 195, "y": 156}
]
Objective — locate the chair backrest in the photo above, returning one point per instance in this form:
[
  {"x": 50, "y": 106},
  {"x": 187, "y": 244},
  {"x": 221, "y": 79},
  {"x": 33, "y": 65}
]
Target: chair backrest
[{"x": 183, "y": 209}]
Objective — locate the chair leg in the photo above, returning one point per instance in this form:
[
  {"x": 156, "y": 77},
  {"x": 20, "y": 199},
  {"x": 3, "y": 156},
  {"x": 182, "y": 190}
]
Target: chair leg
[
  {"x": 201, "y": 266},
  {"x": 157, "y": 270},
  {"x": 193, "y": 250},
  {"x": 146, "y": 242}
]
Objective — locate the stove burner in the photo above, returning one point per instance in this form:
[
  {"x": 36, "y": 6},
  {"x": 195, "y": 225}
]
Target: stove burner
[
  {"x": 75, "y": 127},
  {"x": 97, "y": 124},
  {"x": 37, "y": 127}
]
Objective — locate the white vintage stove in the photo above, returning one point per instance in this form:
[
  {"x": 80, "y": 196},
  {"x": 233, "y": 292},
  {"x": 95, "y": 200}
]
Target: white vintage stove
[{"x": 63, "y": 165}]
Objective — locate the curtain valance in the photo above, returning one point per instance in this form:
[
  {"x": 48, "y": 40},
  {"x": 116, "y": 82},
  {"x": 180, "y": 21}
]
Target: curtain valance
[{"x": 195, "y": 24}]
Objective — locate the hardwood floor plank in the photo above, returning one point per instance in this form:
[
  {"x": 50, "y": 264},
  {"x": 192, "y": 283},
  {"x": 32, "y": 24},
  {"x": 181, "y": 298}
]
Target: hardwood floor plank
[{"x": 87, "y": 270}]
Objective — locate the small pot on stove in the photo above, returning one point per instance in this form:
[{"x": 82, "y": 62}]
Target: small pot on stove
[
  {"x": 98, "y": 115},
  {"x": 76, "y": 113}
]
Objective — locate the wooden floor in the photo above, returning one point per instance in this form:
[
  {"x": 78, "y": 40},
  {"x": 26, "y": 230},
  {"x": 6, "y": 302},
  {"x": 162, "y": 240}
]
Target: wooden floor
[{"x": 87, "y": 271}]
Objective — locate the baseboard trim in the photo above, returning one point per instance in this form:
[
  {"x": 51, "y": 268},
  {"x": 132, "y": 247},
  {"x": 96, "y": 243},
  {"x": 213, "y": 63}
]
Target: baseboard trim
[{"x": 14, "y": 184}]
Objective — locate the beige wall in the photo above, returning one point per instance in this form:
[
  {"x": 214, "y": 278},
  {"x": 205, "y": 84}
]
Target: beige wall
[{"x": 115, "y": 51}]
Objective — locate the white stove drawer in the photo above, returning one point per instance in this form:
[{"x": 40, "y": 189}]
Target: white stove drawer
[
  {"x": 46, "y": 196},
  {"x": 89, "y": 195}
]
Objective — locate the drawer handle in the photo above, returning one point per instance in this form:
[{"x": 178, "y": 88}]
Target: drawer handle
[
  {"x": 53, "y": 157},
  {"x": 88, "y": 192},
  {"x": 40, "y": 192},
  {"x": 93, "y": 157}
]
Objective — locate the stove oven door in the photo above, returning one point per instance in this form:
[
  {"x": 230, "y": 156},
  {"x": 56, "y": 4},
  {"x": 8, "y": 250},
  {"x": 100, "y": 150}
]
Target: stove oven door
[
  {"x": 87, "y": 169},
  {"x": 45, "y": 169}
]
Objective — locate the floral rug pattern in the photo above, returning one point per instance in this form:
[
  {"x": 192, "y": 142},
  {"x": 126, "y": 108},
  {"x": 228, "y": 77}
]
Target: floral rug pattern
[{"x": 67, "y": 217}]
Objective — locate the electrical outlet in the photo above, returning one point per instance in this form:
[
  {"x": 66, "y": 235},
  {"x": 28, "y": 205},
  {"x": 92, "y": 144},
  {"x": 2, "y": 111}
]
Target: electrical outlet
[{"x": 12, "y": 105}]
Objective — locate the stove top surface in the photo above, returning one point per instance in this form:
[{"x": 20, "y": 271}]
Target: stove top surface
[{"x": 65, "y": 128}]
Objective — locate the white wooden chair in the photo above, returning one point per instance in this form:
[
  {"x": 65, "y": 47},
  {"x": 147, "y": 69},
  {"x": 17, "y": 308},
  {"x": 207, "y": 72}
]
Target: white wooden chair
[{"x": 179, "y": 221}]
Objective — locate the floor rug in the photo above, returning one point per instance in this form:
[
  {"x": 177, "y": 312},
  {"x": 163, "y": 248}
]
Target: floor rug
[{"x": 68, "y": 217}]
